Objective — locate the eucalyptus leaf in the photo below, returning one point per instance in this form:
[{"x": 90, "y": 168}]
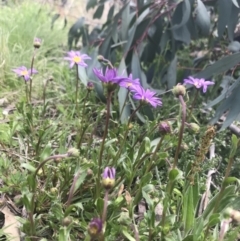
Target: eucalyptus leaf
[
  {"x": 202, "y": 18},
  {"x": 172, "y": 73}
]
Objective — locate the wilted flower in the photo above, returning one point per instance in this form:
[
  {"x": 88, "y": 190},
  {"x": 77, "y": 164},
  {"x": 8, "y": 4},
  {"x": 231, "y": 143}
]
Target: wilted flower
[
  {"x": 75, "y": 57},
  {"x": 146, "y": 96},
  {"x": 24, "y": 72},
  {"x": 179, "y": 90},
  {"x": 198, "y": 83},
  {"x": 108, "y": 177},
  {"x": 165, "y": 128},
  {"x": 110, "y": 75},
  {"x": 129, "y": 82},
  {"x": 95, "y": 227},
  {"x": 37, "y": 43}
]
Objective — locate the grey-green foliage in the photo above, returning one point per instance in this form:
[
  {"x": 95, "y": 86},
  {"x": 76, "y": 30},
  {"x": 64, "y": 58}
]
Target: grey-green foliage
[{"x": 146, "y": 31}]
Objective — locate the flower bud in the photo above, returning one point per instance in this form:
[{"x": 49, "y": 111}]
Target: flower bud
[
  {"x": 179, "y": 90},
  {"x": 194, "y": 127},
  {"x": 165, "y": 128},
  {"x": 73, "y": 152},
  {"x": 37, "y": 43},
  {"x": 90, "y": 86},
  {"x": 95, "y": 227},
  {"x": 108, "y": 177},
  {"x": 100, "y": 58},
  {"x": 67, "y": 221}
]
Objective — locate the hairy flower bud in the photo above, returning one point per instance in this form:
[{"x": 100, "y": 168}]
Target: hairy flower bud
[
  {"x": 95, "y": 227},
  {"x": 90, "y": 86},
  {"x": 67, "y": 221},
  {"x": 194, "y": 127},
  {"x": 37, "y": 43},
  {"x": 165, "y": 128},
  {"x": 179, "y": 90}
]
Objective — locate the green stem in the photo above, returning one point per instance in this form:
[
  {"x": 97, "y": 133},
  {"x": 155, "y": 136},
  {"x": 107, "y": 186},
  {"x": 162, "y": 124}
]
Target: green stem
[
  {"x": 193, "y": 103},
  {"x": 47, "y": 160},
  {"x": 154, "y": 154},
  {"x": 71, "y": 192},
  {"x": 30, "y": 90},
  {"x": 104, "y": 213},
  {"x": 76, "y": 93},
  {"x": 126, "y": 133},
  {"x": 83, "y": 130},
  {"x": 26, "y": 90},
  {"x": 109, "y": 97},
  {"x": 180, "y": 136}
]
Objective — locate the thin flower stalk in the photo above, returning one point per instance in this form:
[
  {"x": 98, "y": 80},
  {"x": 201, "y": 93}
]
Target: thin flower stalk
[
  {"x": 98, "y": 185},
  {"x": 180, "y": 136},
  {"x": 126, "y": 132}
]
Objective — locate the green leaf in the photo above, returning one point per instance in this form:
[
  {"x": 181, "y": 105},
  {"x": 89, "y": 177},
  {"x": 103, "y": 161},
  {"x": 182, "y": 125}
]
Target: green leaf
[
  {"x": 235, "y": 3},
  {"x": 82, "y": 75},
  {"x": 231, "y": 105},
  {"x": 228, "y": 192},
  {"x": 188, "y": 210},
  {"x": 225, "y": 92},
  {"x": 234, "y": 146},
  {"x": 123, "y": 96},
  {"x": 127, "y": 235},
  {"x": 174, "y": 174},
  {"x": 188, "y": 238},
  {"x": 184, "y": 14},
  {"x": 214, "y": 219},
  {"x": 220, "y": 66},
  {"x": 230, "y": 180},
  {"x": 172, "y": 73},
  {"x": 224, "y": 14},
  {"x": 140, "y": 117},
  {"x": 29, "y": 167},
  {"x": 234, "y": 46},
  {"x": 99, "y": 12},
  {"x": 203, "y": 18},
  {"x": 80, "y": 180},
  {"x": 232, "y": 21},
  {"x": 198, "y": 229},
  {"x": 111, "y": 12},
  {"x": 54, "y": 18},
  {"x": 91, "y": 4}
]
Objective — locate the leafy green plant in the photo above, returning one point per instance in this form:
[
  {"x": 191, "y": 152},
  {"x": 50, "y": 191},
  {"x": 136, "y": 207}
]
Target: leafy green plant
[{"x": 73, "y": 171}]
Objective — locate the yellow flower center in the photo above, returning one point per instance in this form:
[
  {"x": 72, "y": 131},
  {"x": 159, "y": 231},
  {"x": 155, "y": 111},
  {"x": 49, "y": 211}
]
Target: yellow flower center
[
  {"x": 129, "y": 84},
  {"x": 76, "y": 59},
  {"x": 24, "y": 73}
]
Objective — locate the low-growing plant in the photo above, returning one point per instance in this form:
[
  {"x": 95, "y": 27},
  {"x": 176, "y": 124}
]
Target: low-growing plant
[{"x": 76, "y": 167}]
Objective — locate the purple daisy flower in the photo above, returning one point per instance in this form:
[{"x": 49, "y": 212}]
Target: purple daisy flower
[
  {"x": 110, "y": 75},
  {"x": 75, "y": 57},
  {"x": 129, "y": 83},
  {"x": 198, "y": 83},
  {"x": 24, "y": 72},
  {"x": 146, "y": 96}
]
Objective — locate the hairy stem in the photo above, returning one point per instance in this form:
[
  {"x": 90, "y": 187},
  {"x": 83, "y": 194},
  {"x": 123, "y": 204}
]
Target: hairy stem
[
  {"x": 180, "y": 136},
  {"x": 109, "y": 97}
]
